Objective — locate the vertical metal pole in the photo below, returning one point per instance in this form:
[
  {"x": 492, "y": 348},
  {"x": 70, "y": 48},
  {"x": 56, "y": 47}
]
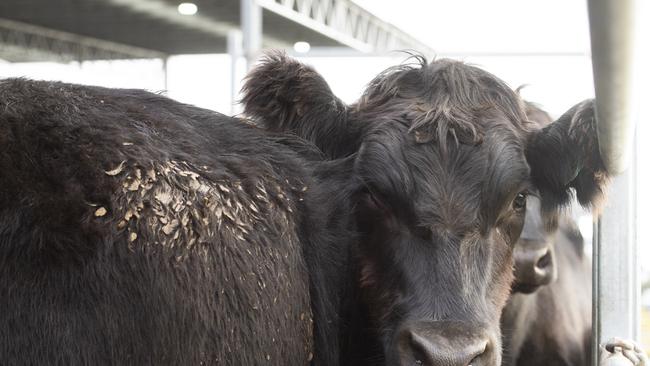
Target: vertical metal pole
[
  {"x": 251, "y": 26},
  {"x": 165, "y": 60},
  {"x": 614, "y": 48},
  {"x": 617, "y": 290},
  {"x": 235, "y": 51},
  {"x": 616, "y": 287},
  {"x": 595, "y": 294}
]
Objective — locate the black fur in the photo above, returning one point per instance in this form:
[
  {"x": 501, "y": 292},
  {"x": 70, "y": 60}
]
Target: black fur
[
  {"x": 285, "y": 95},
  {"x": 441, "y": 151},
  {"x": 565, "y": 155},
  {"x": 549, "y": 323},
  {"x": 552, "y": 326},
  {"x": 137, "y": 230}
]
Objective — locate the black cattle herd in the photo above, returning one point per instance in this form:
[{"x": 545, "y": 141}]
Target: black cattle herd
[{"x": 421, "y": 225}]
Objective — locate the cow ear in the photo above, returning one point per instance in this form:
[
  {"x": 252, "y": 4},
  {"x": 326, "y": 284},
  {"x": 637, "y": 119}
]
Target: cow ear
[
  {"x": 284, "y": 95},
  {"x": 564, "y": 156}
]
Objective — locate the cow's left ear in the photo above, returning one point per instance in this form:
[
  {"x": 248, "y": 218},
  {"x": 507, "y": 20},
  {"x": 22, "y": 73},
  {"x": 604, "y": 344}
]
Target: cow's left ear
[{"x": 565, "y": 155}]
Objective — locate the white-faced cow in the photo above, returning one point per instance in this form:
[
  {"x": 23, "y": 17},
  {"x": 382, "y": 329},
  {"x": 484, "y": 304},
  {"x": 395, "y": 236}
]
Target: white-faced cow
[
  {"x": 444, "y": 159},
  {"x": 138, "y": 230}
]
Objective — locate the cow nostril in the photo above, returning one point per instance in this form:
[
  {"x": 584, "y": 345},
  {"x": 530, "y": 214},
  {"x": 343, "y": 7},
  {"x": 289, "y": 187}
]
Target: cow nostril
[
  {"x": 430, "y": 349},
  {"x": 419, "y": 350},
  {"x": 477, "y": 359},
  {"x": 544, "y": 261},
  {"x": 419, "y": 354},
  {"x": 474, "y": 361}
]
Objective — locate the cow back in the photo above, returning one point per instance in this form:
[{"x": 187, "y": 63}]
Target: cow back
[{"x": 138, "y": 230}]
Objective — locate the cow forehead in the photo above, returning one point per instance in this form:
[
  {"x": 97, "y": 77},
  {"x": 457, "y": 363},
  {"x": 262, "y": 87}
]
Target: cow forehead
[
  {"x": 466, "y": 181},
  {"x": 499, "y": 156},
  {"x": 458, "y": 182}
]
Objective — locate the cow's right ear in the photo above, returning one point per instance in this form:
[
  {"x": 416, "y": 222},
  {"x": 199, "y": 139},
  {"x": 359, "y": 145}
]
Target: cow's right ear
[
  {"x": 565, "y": 155},
  {"x": 284, "y": 95}
]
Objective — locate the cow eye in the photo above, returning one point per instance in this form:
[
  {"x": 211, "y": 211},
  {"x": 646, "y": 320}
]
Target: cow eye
[{"x": 519, "y": 203}]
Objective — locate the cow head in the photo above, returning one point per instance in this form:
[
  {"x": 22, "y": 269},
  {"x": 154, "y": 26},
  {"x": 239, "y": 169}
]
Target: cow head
[
  {"x": 444, "y": 159},
  {"x": 534, "y": 253}
]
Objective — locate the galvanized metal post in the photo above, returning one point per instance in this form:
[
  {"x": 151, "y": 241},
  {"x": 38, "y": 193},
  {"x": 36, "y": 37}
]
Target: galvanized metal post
[
  {"x": 613, "y": 48},
  {"x": 236, "y": 52},
  {"x": 616, "y": 288},
  {"x": 251, "y": 26},
  {"x": 165, "y": 70}
]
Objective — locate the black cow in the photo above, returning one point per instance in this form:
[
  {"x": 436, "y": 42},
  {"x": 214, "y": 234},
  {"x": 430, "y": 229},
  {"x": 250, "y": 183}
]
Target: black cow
[
  {"x": 136, "y": 230},
  {"x": 547, "y": 320},
  {"x": 552, "y": 326},
  {"x": 534, "y": 253},
  {"x": 444, "y": 160}
]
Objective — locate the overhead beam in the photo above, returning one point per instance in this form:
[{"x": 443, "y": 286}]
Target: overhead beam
[
  {"x": 164, "y": 11},
  {"x": 320, "y": 22},
  {"x": 29, "y": 42},
  {"x": 346, "y": 23}
]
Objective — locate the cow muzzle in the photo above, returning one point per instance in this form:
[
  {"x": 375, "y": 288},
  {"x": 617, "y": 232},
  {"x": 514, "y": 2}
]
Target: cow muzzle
[
  {"x": 446, "y": 343},
  {"x": 534, "y": 266}
]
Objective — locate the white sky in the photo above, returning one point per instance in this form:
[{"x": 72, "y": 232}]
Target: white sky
[{"x": 491, "y": 26}]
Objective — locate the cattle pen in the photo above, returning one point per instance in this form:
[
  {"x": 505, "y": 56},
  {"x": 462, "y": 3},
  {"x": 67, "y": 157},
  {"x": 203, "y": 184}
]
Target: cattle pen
[{"x": 203, "y": 52}]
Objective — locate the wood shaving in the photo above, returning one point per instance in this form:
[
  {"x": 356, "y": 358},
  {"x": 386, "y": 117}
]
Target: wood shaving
[
  {"x": 170, "y": 227},
  {"x": 117, "y": 170},
  {"x": 134, "y": 185}
]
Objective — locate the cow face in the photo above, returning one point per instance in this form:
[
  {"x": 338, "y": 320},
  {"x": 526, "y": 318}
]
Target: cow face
[
  {"x": 444, "y": 199},
  {"x": 534, "y": 253},
  {"x": 444, "y": 159}
]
